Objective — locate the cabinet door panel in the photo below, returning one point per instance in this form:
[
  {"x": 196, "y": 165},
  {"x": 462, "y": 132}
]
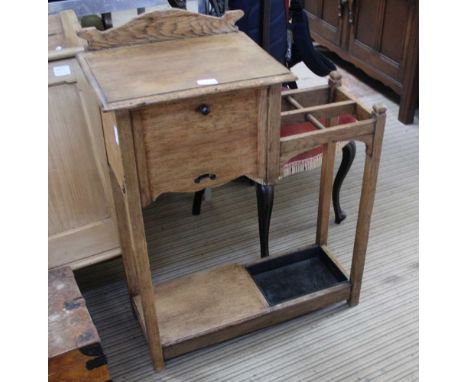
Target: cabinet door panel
[
  {"x": 394, "y": 30},
  {"x": 378, "y": 35},
  {"x": 80, "y": 212},
  {"x": 323, "y": 20},
  {"x": 366, "y": 21}
]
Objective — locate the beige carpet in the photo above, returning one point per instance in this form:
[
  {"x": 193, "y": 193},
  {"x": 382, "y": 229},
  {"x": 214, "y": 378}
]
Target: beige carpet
[{"x": 375, "y": 341}]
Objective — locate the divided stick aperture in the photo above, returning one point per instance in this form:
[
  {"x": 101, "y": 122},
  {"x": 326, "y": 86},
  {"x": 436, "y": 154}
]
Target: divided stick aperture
[{"x": 309, "y": 117}]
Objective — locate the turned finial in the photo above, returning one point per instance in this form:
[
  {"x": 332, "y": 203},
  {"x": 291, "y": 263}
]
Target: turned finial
[
  {"x": 334, "y": 79},
  {"x": 379, "y": 109}
]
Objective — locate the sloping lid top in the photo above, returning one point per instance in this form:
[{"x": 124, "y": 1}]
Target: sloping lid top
[{"x": 133, "y": 76}]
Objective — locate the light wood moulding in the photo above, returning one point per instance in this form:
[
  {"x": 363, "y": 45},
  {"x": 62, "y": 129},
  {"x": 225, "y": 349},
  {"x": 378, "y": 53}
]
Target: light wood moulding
[
  {"x": 161, "y": 26},
  {"x": 63, "y": 40},
  {"x": 81, "y": 225}
]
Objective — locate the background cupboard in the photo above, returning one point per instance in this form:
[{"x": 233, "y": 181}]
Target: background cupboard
[
  {"x": 81, "y": 223},
  {"x": 378, "y": 36}
]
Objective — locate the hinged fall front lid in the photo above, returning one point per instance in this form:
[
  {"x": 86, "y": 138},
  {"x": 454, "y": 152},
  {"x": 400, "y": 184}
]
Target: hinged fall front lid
[{"x": 131, "y": 76}]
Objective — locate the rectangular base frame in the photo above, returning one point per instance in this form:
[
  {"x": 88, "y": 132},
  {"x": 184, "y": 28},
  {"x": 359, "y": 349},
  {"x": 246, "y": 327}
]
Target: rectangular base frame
[
  {"x": 212, "y": 306},
  {"x": 215, "y": 305}
]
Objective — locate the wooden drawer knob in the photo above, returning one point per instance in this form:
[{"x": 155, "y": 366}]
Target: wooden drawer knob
[
  {"x": 204, "y": 109},
  {"x": 204, "y": 178}
]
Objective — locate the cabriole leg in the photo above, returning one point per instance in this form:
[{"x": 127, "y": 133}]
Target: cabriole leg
[
  {"x": 197, "y": 201},
  {"x": 349, "y": 152},
  {"x": 265, "y": 197}
]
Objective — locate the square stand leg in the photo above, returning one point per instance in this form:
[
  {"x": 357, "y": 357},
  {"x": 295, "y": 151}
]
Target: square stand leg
[{"x": 132, "y": 237}]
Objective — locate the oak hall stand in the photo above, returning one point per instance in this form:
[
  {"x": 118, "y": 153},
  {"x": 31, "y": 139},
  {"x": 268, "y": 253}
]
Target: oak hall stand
[{"x": 188, "y": 102}]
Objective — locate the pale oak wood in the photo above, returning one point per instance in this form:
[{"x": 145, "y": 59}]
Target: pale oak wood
[
  {"x": 309, "y": 117},
  {"x": 144, "y": 104},
  {"x": 127, "y": 77},
  {"x": 55, "y": 55},
  {"x": 300, "y": 143},
  {"x": 334, "y": 82},
  {"x": 311, "y": 96},
  {"x": 177, "y": 135},
  {"x": 80, "y": 204},
  {"x": 277, "y": 314},
  {"x": 181, "y": 144},
  {"x": 160, "y": 26},
  {"x": 82, "y": 227},
  {"x": 366, "y": 203},
  {"x": 95, "y": 258},
  {"x": 141, "y": 158},
  {"x": 325, "y": 193},
  {"x": 273, "y": 133},
  {"x": 63, "y": 41},
  {"x": 84, "y": 245},
  {"x": 133, "y": 232},
  {"x": 362, "y": 112},
  {"x": 329, "y": 110},
  {"x": 114, "y": 155},
  {"x": 262, "y": 122},
  {"x": 127, "y": 248},
  {"x": 204, "y": 308},
  {"x": 205, "y": 301},
  {"x": 71, "y": 26}
]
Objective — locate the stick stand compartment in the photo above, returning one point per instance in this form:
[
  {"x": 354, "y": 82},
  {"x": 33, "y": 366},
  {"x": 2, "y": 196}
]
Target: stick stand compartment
[{"x": 295, "y": 275}]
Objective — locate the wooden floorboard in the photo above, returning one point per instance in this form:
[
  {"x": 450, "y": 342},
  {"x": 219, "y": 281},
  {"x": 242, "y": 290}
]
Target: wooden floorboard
[{"x": 374, "y": 341}]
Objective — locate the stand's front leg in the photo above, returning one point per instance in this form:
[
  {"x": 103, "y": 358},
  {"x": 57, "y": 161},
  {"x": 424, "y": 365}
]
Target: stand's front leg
[{"x": 265, "y": 197}]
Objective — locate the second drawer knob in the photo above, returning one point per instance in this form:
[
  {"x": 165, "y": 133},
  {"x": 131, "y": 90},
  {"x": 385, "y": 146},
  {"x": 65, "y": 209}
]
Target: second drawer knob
[{"x": 204, "y": 178}]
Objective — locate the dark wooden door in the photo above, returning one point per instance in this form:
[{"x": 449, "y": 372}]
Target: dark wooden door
[
  {"x": 380, "y": 31},
  {"x": 325, "y": 20}
]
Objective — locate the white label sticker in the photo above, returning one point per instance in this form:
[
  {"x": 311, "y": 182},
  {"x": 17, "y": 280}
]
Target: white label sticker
[
  {"x": 62, "y": 70},
  {"x": 207, "y": 81},
  {"x": 116, "y": 134}
]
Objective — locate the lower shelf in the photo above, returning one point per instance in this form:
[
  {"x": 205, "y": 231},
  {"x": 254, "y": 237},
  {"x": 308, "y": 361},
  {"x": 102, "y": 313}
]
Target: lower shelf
[{"x": 215, "y": 305}]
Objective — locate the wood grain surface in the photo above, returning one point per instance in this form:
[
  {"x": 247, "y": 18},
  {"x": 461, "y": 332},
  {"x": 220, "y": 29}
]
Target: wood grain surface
[
  {"x": 205, "y": 301},
  {"x": 63, "y": 41},
  {"x": 181, "y": 144},
  {"x": 212, "y": 306},
  {"x": 134, "y": 76},
  {"x": 160, "y": 26},
  {"x": 80, "y": 203}
]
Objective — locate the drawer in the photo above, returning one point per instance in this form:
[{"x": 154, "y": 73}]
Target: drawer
[{"x": 195, "y": 143}]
